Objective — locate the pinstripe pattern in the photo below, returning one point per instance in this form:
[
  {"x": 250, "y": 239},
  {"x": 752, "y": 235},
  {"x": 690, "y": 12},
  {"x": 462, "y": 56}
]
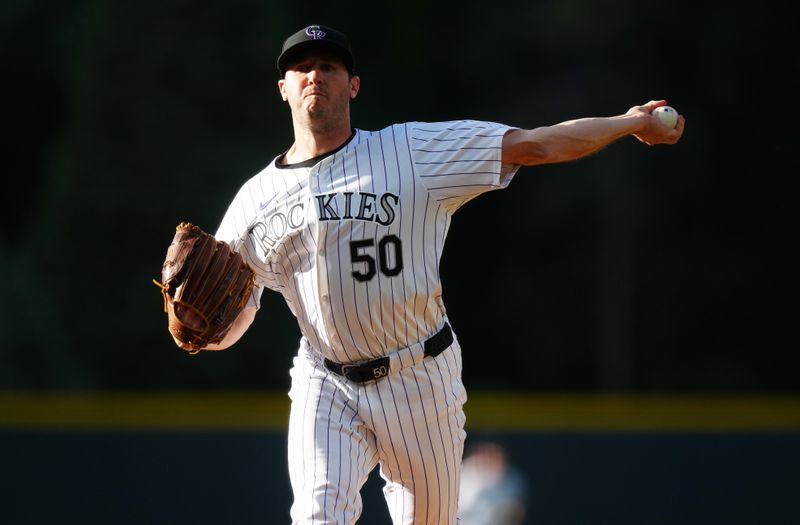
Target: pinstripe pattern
[
  {"x": 353, "y": 243},
  {"x": 411, "y": 422}
]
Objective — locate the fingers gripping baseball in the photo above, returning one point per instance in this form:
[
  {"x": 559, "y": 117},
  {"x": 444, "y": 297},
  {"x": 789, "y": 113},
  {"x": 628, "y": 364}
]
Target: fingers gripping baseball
[{"x": 659, "y": 123}]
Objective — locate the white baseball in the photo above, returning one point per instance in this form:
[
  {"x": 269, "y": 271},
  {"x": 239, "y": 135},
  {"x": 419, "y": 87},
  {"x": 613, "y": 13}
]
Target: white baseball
[{"x": 667, "y": 115}]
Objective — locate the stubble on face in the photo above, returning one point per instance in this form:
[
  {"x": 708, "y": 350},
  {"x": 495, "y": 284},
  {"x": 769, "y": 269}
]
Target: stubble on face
[
  {"x": 323, "y": 112},
  {"x": 320, "y": 104}
]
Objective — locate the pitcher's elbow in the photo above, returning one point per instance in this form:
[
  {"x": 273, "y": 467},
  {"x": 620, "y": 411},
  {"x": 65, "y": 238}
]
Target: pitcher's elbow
[
  {"x": 536, "y": 153},
  {"x": 526, "y": 148}
]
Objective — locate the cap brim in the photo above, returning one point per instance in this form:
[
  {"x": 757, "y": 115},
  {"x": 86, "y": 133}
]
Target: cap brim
[{"x": 304, "y": 48}]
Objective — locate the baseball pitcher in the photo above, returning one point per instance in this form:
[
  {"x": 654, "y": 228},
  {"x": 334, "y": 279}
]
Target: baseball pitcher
[{"x": 349, "y": 226}]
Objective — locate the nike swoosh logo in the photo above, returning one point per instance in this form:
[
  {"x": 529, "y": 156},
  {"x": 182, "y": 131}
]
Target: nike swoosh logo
[
  {"x": 291, "y": 193},
  {"x": 263, "y": 205}
]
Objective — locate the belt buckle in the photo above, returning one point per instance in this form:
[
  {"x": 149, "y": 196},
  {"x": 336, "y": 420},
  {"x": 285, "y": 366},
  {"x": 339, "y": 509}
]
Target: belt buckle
[
  {"x": 346, "y": 369},
  {"x": 380, "y": 370},
  {"x": 364, "y": 372}
]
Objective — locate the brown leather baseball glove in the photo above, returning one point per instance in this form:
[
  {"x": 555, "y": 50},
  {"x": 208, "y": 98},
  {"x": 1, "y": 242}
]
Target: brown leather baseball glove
[{"x": 205, "y": 286}]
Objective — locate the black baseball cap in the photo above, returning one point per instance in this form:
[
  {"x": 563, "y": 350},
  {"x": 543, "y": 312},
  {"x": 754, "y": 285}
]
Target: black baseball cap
[{"x": 316, "y": 37}]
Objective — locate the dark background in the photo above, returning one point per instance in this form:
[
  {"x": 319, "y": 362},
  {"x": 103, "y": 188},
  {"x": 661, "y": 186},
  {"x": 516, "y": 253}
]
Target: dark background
[
  {"x": 637, "y": 269},
  {"x": 571, "y": 479}
]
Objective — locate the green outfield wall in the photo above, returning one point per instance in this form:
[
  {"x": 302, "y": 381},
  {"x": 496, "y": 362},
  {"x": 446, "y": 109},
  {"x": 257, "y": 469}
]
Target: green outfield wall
[{"x": 219, "y": 457}]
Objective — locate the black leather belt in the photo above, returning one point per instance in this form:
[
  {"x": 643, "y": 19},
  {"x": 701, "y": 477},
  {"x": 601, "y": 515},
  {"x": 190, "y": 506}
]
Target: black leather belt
[{"x": 379, "y": 367}]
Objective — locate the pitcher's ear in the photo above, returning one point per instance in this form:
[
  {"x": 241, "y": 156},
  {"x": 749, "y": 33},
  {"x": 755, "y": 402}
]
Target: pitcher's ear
[{"x": 281, "y": 86}]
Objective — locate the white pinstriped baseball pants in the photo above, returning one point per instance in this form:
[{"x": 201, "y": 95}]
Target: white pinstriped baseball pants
[{"x": 411, "y": 422}]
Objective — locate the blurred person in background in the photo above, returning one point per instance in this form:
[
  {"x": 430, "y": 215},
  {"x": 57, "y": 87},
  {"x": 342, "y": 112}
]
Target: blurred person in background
[{"x": 493, "y": 491}]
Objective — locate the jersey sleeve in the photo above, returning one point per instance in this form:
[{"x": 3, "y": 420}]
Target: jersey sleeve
[
  {"x": 457, "y": 161},
  {"x": 233, "y": 229}
]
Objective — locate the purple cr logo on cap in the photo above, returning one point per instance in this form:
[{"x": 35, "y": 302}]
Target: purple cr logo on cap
[{"x": 315, "y": 32}]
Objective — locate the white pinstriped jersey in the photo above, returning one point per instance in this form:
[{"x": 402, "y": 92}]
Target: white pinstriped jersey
[{"x": 353, "y": 240}]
